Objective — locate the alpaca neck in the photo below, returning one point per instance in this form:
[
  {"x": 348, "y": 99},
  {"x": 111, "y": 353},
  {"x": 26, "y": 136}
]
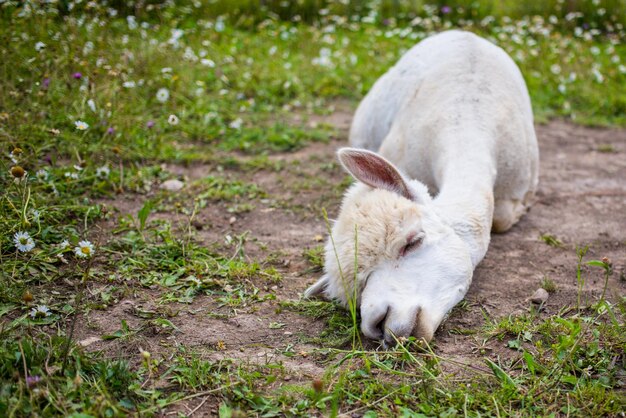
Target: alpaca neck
[{"x": 466, "y": 204}]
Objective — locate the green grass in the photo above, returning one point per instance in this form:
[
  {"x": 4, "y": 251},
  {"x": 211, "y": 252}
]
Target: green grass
[{"x": 244, "y": 87}]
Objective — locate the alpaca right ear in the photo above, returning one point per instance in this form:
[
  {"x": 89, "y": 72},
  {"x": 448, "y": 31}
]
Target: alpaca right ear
[
  {"x": 317, "y": 290},
  {"x": 372, "y": 169}
]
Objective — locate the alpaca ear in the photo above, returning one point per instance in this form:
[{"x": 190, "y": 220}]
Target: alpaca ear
[
  {"x": 375, "y": 171},
  {"x": 316, "y": 291}
]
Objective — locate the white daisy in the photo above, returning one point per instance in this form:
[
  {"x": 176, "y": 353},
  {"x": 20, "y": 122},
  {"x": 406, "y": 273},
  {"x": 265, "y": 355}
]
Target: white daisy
[
  {"x": 23, "y": 241},
  {"x": 42, "y": 174},
  {"x": 555, "y": 69},
  {"x": 236, "y": 124},
  {"x": 162, "y": 95},
  {"x": 35, "y": 214},
  {"x": 103, "y": 172},
  {"x": 80, "y": 125},
  {"x": 88, "y": 48},
  {"x": 84, "y": 249},
  {"x": 173, "y": 120},
  {"x": 39, "y": 46},
  {"x": 64, "y": 244},
  {"x": 40, "y": 311},
  {"x": 598, "y": 75},
  {"x": 129, "y": 84}
]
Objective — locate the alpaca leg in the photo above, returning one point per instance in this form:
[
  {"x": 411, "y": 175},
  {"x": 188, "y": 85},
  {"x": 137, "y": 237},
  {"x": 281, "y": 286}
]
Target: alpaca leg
[{"x": 506, "y": 214}]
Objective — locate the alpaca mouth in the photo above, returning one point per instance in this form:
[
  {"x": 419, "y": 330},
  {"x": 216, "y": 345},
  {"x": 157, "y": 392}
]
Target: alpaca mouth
[{"x": 417, "y": 328}]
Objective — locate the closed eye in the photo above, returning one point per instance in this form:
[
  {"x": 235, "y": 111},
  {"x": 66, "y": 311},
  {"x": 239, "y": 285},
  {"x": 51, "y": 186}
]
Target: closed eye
[{"x": 412, "y": 245}]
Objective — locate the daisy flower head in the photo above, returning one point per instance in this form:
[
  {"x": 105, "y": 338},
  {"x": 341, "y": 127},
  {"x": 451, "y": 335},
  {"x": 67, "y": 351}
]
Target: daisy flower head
[
  {"x": 84, "y": 249},
  {"x": 42, "y": 174},
  {"x": 173, "y": 120},
  {"x": 35, "y": 214},
  {"x": 23, "y": 241},
  {"x": 162, "y": 95},
  {"x": 88, "y": 48},
  {"x": 64, "y": 244},
  {"x": 236, "y": 124},
  {"x": 39, "y": 46},
  {"x": 15, "y": 155},
  {"x": 103, "y": 172},
  {"x": 18, "y": 172},
  {"x": 39, "y": 311},
  {"x": 81, "y": 126}
]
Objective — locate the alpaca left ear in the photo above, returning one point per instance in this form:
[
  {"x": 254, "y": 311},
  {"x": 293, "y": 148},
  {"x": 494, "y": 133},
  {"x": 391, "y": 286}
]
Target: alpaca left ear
[
  {"x": 372, "y": 169},
  {"x": 317, "y": 290}
]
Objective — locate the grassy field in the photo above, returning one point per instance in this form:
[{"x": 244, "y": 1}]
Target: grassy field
[{"x": 97, "y": 104}]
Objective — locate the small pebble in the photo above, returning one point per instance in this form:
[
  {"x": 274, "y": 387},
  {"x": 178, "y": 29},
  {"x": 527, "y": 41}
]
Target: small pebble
[
  {"x": 172, "y": 185},
  {"x": 232, "y": 220},
  {"x": 540, "y": 296},
  {"x": 88, "y": 341}
]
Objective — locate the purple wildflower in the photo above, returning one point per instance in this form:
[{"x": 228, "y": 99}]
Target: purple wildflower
[
  {"x": 445, "y": 10},
  {"x": 77, "y": 75},
  {"x": 150, "y": 124},
  {"x": 45, "y": 82},
  {"x": 110, "y": 130},
  {"x": 31, "y": 381}
]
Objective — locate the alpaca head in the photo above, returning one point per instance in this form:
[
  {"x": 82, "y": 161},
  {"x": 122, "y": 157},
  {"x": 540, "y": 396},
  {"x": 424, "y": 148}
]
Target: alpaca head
[{"x": 391, "y": 254}]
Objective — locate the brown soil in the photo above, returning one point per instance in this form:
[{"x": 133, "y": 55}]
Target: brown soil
[{"x": 581, "y": 201}]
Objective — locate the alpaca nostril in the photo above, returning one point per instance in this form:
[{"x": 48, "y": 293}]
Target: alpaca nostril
[
  {"x": 373, "y": 321},
  {"x": 380, "y": 324}
]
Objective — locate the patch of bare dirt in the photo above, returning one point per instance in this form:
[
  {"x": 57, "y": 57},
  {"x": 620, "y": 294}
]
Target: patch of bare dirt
[{"x": 581, "y": 201}]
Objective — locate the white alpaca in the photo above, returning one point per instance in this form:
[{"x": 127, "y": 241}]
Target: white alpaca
[{"x": 452, "y": 117}]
